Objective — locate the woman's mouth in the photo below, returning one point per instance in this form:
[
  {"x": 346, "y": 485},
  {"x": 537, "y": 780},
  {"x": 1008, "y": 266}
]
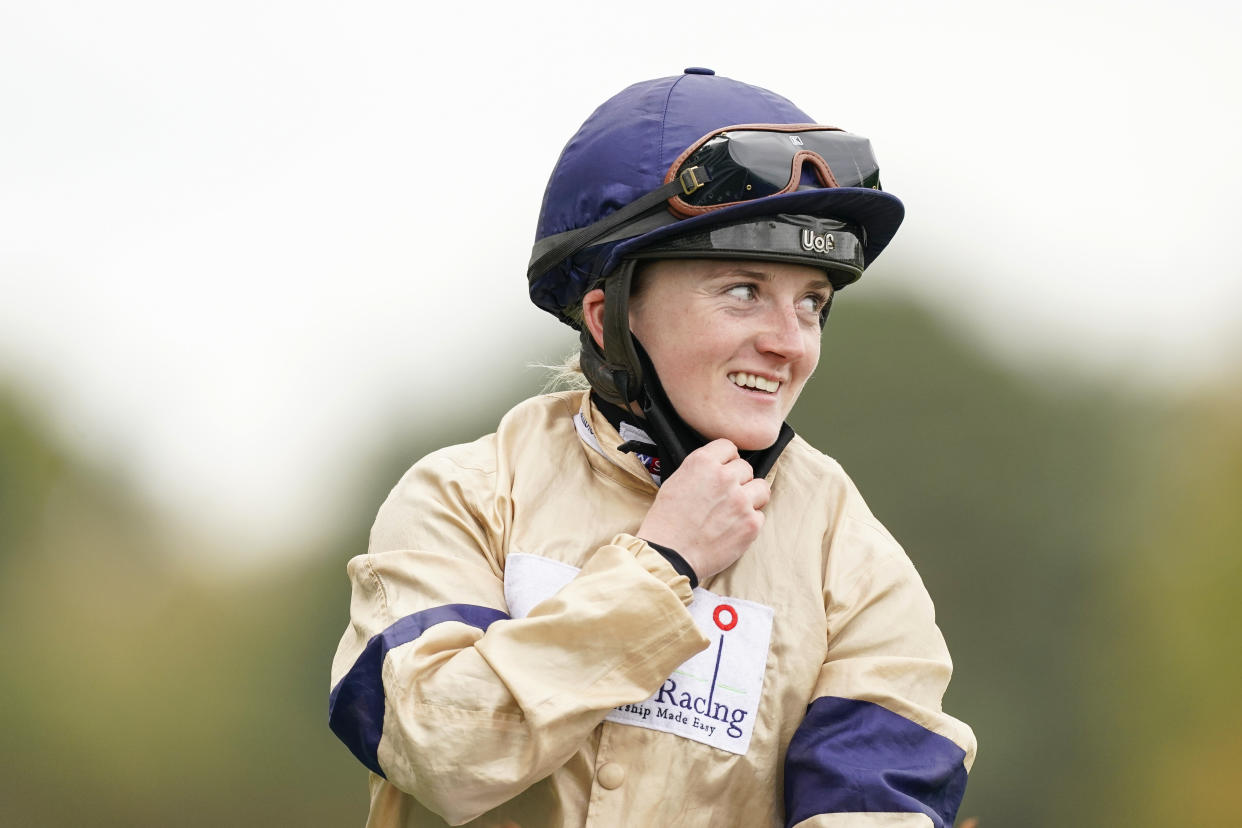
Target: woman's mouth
[{"x": 754, "y": 382}]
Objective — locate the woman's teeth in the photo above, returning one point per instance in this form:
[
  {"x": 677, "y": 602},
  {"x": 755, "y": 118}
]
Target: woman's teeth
[{"x": 751, "y": 381}]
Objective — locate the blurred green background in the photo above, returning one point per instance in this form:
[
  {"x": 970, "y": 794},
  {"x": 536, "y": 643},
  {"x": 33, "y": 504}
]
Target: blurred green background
[{"x": 1080, "y": 536}]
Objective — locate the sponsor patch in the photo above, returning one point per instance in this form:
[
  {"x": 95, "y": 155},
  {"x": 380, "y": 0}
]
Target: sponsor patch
[
  {"x": 714, "y": 697},
  {"x": 530, "y": 579}
]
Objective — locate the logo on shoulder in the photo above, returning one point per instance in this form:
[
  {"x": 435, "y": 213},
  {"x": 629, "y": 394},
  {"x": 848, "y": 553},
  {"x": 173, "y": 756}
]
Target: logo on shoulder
[{"x": 817, "y": 242}]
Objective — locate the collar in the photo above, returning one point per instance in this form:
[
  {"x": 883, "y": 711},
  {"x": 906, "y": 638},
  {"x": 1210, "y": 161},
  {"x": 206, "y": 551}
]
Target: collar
[{"x": 600, "y": 440}]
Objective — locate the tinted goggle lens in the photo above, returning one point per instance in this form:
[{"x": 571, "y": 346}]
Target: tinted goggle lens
[{"x": 747, "y": 163}]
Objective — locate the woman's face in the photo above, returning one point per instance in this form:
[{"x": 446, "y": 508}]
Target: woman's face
[{"x": 733, "y": 341}]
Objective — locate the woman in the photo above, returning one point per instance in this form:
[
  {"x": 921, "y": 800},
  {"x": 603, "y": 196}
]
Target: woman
[{"x": 653, "y": 604}]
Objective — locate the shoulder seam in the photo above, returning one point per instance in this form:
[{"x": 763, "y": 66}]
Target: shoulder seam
[{"x": 378, "y": 584}]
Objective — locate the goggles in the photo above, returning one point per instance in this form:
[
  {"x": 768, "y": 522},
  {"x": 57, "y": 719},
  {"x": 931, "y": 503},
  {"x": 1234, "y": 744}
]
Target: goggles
[
  {"x": 726, "y": 167},
  {"x": 749, "y": 161}
]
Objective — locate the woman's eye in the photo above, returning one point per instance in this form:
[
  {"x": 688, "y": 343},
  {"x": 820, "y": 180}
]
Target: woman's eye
[
  {"x": 812, "y": 303},
  {"x": 745, "y": 292}
]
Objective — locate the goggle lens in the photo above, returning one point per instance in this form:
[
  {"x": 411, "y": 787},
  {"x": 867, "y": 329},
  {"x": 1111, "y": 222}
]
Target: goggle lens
[{"x": 748, "y": 163}]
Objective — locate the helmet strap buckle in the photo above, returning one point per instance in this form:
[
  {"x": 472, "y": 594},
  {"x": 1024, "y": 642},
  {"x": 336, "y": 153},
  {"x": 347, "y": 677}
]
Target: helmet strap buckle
[{"x": 690, "y": 181}]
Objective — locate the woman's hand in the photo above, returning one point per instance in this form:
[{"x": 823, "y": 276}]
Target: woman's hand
[{"x": 710, "y": 510}]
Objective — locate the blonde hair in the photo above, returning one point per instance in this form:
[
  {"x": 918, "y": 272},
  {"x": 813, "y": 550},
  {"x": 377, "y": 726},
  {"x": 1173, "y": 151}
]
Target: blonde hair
[{"x": 566, "y": 375}]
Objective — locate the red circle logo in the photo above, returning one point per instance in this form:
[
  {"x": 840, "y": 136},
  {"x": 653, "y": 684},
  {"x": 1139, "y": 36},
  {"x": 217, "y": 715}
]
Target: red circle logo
[{"x": 722, "y": 612}]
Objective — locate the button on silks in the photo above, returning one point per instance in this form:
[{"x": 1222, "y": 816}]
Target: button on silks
[
  {"x": 699, "y": 70},
  {"x": 611, "y": 775}
]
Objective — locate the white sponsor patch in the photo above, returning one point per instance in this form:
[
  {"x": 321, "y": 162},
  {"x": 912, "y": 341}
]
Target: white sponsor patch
[
  {"x": 530, "y": 579},
  {"x": 713, "y": 698}
]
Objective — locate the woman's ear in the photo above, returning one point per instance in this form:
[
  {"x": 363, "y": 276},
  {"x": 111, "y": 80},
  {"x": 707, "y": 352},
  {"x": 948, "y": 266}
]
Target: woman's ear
[{"x": 593, "y": 315}]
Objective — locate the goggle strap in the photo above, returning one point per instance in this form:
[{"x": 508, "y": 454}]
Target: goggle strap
[{"x": 552, "y": 250}]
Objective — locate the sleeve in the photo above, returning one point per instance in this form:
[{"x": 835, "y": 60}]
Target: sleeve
[
  {"x": 439, "y": 691},
  {"x": 874, "y": 747}
]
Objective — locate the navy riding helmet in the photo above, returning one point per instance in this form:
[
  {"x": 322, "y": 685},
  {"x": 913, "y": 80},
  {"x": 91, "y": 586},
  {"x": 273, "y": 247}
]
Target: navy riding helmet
[{"x": 622, "y": 166}]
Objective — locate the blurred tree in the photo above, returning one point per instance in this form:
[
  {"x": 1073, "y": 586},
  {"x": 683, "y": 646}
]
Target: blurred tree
[
  {"x": 137, "y": 691},
  {"x": 1166, "y": 717}
]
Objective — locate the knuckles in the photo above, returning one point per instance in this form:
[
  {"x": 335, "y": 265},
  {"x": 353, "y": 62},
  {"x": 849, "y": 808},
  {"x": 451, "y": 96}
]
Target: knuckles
[{"x": 711, "y": 510}]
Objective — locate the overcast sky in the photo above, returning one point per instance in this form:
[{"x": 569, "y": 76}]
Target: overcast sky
[{"x": 235, "y": 238}]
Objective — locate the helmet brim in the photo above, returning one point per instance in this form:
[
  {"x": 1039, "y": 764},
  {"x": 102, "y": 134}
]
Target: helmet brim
[{"x": 878, "y": 213}]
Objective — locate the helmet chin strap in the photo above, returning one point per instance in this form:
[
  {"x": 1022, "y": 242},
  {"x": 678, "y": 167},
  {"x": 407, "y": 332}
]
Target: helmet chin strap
[
  {"x": 675, "y": 438},
  {"x": 614, "y": 372}
]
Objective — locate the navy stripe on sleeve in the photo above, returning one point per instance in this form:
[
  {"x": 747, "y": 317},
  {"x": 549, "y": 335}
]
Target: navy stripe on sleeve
[
  {"x": 356, "y": 706},
  {"x": 851, "y": 756}
]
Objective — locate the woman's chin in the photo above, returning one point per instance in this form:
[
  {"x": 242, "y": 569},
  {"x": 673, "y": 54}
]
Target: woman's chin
[
  {"x": 749, "y": 438},
  {"x": 755, "y": 445}
]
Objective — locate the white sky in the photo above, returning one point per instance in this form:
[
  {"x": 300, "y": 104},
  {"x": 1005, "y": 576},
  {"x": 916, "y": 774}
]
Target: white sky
[{"x": 235, "y": 238}]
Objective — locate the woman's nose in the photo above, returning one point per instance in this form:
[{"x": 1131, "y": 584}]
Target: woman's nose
[{"x": 782, "y": 333}]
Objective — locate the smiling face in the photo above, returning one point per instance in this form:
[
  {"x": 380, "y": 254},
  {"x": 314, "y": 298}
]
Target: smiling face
[{"x": 733, "y": 341}]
